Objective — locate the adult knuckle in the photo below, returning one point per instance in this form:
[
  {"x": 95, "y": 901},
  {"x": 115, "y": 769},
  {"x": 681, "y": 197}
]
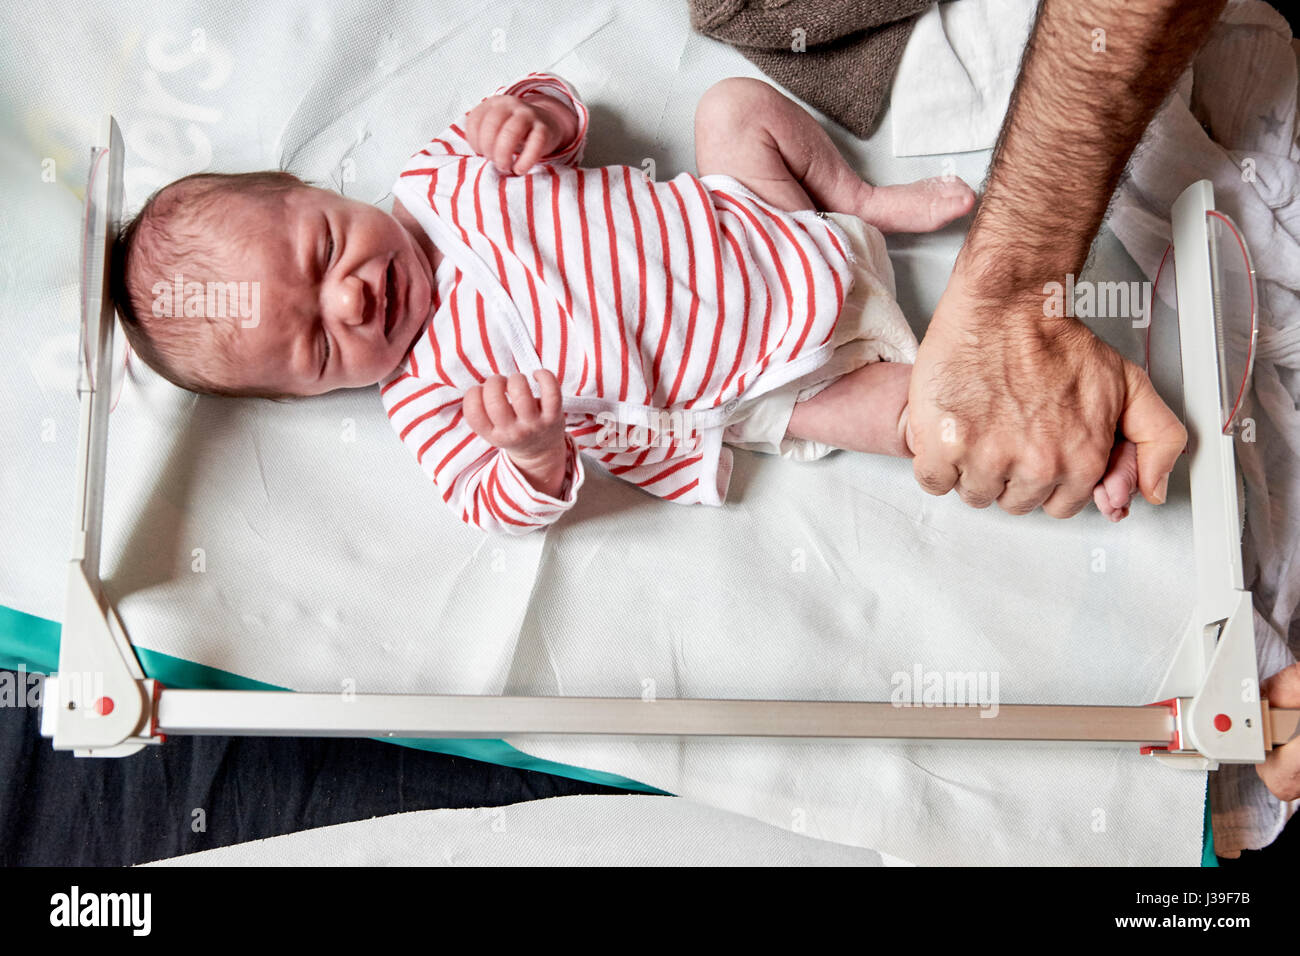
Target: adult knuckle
[
  {"x": 1066, "y": 509},
  {"x": 930, "y": 481},
  {"x": 1017, "y": 507},
  {"x": 975, "y": 497}
]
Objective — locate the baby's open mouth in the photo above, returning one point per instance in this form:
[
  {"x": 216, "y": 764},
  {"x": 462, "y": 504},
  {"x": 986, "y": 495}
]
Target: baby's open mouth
[{"x": 390, "y": 301}]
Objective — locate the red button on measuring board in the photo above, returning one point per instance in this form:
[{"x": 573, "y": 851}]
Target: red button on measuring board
[
  {"x": 104, "y": 706},
  {"x": 1222, "y": 723}
]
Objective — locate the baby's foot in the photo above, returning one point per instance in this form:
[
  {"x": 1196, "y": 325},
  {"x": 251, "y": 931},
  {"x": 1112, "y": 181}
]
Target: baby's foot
[
  {"x": 1115, "y": 490},
  {"x": 921, "y": 206}
]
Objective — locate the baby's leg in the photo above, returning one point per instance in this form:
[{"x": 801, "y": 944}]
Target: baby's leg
[
  {"x": 752, "y": 132},
  {"x": 860, "y": 411},
  {"x": 865, "y": 411}
]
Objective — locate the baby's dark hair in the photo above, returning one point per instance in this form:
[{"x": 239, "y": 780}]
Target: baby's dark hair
[{"x": 173, "y": 233}]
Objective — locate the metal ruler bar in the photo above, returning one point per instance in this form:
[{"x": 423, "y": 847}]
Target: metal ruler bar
[
  {"x": 1283, "y": 726},
  {"x": 286, "y": 713}
]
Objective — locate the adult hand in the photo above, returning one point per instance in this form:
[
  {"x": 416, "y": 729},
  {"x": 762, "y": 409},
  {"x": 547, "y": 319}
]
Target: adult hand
[
  {"x": 1280, "y": 770},
  {"x": 1008, "y": 405}
]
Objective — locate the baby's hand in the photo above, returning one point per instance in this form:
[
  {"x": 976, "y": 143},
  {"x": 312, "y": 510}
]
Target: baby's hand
[
  {"x": 517, "y": 425},
  {"x": 502, "y": 126}
]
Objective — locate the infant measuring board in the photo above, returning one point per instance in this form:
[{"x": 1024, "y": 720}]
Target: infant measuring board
[{"x": 100, "y": 703}]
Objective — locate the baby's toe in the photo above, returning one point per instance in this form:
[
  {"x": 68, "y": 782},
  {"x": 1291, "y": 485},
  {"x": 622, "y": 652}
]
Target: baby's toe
[
  {"x": 921, "y": 206},
  {"x": 1115, "y": 491},
  {"x": 1101, "y": 498}
]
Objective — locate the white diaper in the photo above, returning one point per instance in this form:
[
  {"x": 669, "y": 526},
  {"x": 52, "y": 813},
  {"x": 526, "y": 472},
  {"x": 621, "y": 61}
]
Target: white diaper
[{"x": 871, "y": 328}]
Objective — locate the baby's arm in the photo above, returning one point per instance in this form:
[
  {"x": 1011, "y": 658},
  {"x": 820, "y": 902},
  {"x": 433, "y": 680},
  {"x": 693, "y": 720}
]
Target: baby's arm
[{"x": 486, "y": 486}]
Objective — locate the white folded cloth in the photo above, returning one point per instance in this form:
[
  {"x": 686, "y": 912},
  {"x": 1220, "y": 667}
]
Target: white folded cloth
[{"x": 956, "y": 75}]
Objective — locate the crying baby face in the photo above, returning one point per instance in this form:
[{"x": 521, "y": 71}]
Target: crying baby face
[
  {"x": 345, "y": 289},
  {"x": 262, "y": 285}
]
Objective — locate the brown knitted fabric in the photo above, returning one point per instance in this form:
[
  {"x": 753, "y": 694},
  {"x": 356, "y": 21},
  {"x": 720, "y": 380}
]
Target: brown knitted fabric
[{"x": 852, "y": 48}]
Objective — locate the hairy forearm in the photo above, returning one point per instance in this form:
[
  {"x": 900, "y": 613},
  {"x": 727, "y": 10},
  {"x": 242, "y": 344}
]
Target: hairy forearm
[{"x": 1082, "y": 102}]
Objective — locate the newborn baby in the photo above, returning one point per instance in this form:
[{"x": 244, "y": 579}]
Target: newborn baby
[{"x": 517, "y": 309}]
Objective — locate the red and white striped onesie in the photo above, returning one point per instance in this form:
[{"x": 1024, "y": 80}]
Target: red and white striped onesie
[{"x": 644, "y": 298}]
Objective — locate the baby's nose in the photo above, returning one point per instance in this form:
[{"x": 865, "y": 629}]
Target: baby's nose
[{"x": 349, "y": 301}]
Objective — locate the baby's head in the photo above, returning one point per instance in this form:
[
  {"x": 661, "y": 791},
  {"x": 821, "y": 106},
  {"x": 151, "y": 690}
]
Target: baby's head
[{"x": 259, "y": 284}]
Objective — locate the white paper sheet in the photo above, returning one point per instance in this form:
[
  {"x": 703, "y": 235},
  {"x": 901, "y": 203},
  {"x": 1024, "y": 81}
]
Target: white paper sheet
[{"x": 560, "y": 831}]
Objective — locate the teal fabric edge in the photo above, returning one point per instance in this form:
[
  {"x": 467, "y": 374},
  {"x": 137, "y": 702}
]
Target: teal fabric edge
[
  {"x": 32, "y": 643},
  {"x": 1208, "y": 857}
]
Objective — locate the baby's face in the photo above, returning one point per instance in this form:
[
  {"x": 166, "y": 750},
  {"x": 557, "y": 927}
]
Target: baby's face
[{"x": 344, "y": 290}]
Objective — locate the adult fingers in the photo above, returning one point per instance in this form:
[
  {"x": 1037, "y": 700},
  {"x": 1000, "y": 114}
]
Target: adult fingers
[
  {"x": 1159, "y": 435},
  {"x": 979, "y": 487},
  {"x": 933, "y": 470},
  {"x": 1023, "y": 494},
  {"x": 1078, "y": 485},
  {"x": 1280, "y": 770},
  {"x": 1283, "y": 688},
  {"x": 935, "y": 477}
]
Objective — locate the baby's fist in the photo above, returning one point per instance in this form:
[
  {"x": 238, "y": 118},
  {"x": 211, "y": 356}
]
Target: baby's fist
[
  {"x": 505, "y": 414},
  {"x": 502, "y": 126}
]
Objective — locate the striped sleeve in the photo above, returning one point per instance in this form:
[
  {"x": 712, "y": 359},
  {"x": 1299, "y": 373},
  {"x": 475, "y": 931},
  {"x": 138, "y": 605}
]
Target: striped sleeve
[{"x": 479, "y": 482}]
